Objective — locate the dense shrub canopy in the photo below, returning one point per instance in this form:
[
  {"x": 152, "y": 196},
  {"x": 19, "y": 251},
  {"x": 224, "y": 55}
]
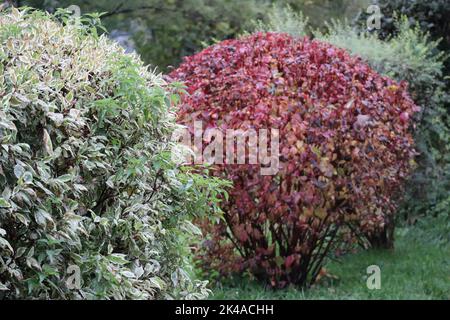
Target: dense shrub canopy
[
  {"x": 86, "y": 179},
  {"x": 344, "y": 141},
  {"x": 411, "y": 55}
]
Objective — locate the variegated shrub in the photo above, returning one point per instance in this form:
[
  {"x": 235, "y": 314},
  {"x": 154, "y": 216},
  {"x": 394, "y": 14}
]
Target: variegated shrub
[{"x": 91, "y": 207}]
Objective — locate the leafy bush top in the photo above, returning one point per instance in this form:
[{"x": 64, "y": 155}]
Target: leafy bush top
[
  {"x": 283, "y": 19},
  {"x": 86, "y": 179},
  {"x": 344, "y": 141}
]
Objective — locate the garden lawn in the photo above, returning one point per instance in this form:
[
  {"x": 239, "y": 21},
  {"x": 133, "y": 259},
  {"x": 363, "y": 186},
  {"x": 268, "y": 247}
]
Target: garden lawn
[{"x": 418, "y": 268}]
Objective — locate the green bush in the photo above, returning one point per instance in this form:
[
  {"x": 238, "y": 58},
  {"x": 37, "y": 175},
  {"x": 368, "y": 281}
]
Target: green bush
[
  {"x": 165, "y": 31},
  {"x": 411, "y": 56},
  {"x": 86, "y": 179}
]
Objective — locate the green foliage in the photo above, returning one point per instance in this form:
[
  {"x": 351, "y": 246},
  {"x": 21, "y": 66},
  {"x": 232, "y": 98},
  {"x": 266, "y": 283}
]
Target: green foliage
[
  {"x": 283, "y": 20},
  {"x": 430, "y": 15},
  {"x": 165, "y": 31},
  {"x": 411, "y": 56},
  {"x": 86, "y": 176},
  {"x": 321, "y": 11},
  {"x": 193, "y": 22}
]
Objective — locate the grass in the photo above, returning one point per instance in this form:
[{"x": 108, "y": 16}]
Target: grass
[{"x": 418, "y": 268}]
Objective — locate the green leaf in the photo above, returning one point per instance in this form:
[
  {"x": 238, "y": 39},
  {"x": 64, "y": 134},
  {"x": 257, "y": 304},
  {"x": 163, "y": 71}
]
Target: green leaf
[
  {"x": 4, "y": 203},
  {"x": 118, "y": 258},
  {"x": 65, "y": 178},
  {"x": 42, "y": 217},
  {"x": 3, "y": 287},
  {"x": 20, "y": 252}
]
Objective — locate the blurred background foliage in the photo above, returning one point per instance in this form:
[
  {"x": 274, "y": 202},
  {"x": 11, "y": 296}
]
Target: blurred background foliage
[
  {"x": 431, "y": 15},
  {"x": 164, "y": 31}
]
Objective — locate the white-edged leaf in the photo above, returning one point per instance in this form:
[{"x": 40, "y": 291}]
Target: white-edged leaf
[
  {"x": 42, "y": 217},
  {"x": 157, "y": 282},
  {"x": 33, "y": 263},
  {"x": 118, "y": 258},
  {"x": 57, "y": 118},
  {"x": 5, "y": 244},
  {"x": 128, "y": 274},
  {"x": 48, "y": 146},
  {"x": 4, "y": 203},
  {"x": 3, "y": 287},
  {"x": 65, "y": 178},
  {"x": 27, "y": 177}
]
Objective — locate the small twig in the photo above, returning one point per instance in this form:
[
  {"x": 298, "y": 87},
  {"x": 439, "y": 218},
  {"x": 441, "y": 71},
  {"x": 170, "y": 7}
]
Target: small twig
[{"x": 154, "y": 187}]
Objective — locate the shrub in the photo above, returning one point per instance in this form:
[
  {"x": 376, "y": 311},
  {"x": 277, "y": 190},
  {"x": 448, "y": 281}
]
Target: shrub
[
  {"x": 283, "y": 20},
  {"x": 87, "y": 185},
  {"x": 344, "y": 142},
  {"x": 412, "y": 56},
  {"x": 430, "y": 15}
]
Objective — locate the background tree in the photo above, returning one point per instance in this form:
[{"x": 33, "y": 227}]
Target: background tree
[
  {"x": 164, "y": 31},
  {"x": 431, "y": 15}
]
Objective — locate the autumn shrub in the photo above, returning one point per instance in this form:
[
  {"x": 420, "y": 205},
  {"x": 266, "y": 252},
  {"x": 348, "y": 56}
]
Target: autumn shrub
[
  {"x": 91, "y": 205},
  {"x": 408, "y": 54},
  {"x": 411, "y": 55},
  {"x": 164, "y": 31},
  {"x": 345, "y": 150}
]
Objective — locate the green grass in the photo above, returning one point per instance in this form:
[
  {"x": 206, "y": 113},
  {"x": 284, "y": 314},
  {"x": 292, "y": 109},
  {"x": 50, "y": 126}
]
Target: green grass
[{"x": 418, "y": 268}]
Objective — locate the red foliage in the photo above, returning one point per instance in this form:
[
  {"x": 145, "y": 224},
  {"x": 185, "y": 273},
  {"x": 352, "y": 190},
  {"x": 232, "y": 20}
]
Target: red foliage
[{"x": 344, "y": 141}]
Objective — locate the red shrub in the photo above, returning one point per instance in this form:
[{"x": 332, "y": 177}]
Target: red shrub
[{"x": 344, "y": 144}]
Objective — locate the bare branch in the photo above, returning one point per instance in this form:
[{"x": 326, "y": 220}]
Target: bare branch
[{"x": 120, "y": 10}]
